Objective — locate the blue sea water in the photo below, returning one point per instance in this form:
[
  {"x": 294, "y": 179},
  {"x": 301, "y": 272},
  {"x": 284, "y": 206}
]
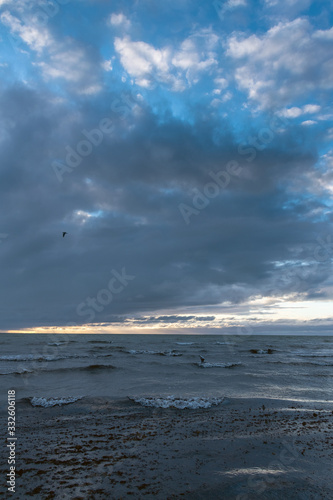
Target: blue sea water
[{"x": 161, "y": 369}]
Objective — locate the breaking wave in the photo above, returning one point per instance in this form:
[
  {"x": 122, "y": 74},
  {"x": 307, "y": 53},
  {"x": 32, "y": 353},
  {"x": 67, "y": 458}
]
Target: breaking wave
[
  {"x": 304, "y": 363},
  {"x": 158, "y": 353},
  {"x": 217, "y": 365},
  {"x": 39, "y": 357},
  {"x": 49, "y": 402}
]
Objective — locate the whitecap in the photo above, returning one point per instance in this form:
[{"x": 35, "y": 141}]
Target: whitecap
[
  {"x": 49, "y": 402},
  {"x": 218, "y": 365},
  {"x": 159, "y": 353},
  {"x": 177, "y": 402}
]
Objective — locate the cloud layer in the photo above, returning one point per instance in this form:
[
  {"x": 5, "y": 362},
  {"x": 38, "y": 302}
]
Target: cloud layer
[{"x": 199, "y": 164}]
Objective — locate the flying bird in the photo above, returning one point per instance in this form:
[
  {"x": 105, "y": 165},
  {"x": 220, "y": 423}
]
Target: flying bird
[{"x": 64, "y": 234}]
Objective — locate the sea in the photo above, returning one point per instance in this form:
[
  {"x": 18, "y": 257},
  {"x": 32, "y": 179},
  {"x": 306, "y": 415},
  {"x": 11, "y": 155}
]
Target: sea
[{"x": 182, "y": 371}]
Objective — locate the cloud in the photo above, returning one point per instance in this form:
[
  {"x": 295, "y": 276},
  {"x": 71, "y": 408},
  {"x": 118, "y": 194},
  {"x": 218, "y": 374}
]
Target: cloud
[
  {"x": 36, "y": 37},
  {"x": 172, "y": 319},
  {"x": 120, "y": 20},
  {"x": 252, "y": 239},
  {"x": 107, "y": 65},
  {"x": 120, "y": 208},
  {"x": 288, "y": 61},
  {"x": 143, "y": 62},
  {"x": 295, "y": 112},
  {"x": 309, "y": 123},
  {"x": 167, "y": 65},
  {"x": 73, "y": 63},
  {"x": 64, "y": 59}
]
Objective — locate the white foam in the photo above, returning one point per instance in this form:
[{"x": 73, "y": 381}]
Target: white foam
[
  {"x": 185, "y": 343},
  {"x": 177, "y": 402},
  {"x": 48, "y": 402},
  {"x": 218, "y": 365},
  {"x": 160, "y": 353},
  {"x": 39, "y": 357}
]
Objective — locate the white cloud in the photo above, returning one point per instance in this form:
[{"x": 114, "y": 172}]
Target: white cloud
[
  {"x": 36, "y": 37},
  {"x": 291, "y": 112},
  {"x": 226, "y": 97},
  {"x": 217, "y": 101},
  {"x": 64, "y": 59},
  {"x": 311, "y": 108},
  {"x": 70, "y": 63},
  {"x": 308, "y": 123},
  {"x": 328, "y": 116},
  {"x": 324, "y": 34},
  {"x": 221, "y": 83},
  {"x": 191, "y": 60},
  {"x": 149, "y": 65},
  {"x": 107, "y": 65},
  {"x": 120, "y": 20},
  {"x": 288, "y": 61},
  {"x": 231, "y": 5},
  {"x": 142, "y": 61},
  {"x": 295, "y": 112}
]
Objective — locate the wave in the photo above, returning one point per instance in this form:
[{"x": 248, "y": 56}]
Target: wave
[
  {"x": 177, "y": 402},
  {"x": 304, "y": 363},
  {"x": 217, "y": 365},
  {"x": 225, "y": 343},
  {"x": 39, "y": 357},
  {"x": 315, "y": 355},
  {"x": 89, "y": 368},
  {"x": 49, "y": 402},
  {"x": 185, "y": 343},
  {"x": 159, "y": 353},
  {"x": 22, "y": 371}
]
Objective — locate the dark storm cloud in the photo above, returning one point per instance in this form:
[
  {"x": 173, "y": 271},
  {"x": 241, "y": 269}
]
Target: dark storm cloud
[
  {"x": 120, "y": 206},
  {"x": 195, "y": 164}
]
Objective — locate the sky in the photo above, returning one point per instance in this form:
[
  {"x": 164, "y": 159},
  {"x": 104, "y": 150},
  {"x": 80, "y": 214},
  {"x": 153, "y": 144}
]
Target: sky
[{"x": 186, "y": 149}]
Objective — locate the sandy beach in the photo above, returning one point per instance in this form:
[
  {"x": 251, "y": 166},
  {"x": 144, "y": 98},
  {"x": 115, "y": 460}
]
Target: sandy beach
[{"x": 116, "y": 448}]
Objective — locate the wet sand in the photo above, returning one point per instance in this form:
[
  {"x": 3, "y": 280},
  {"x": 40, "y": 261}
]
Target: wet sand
[{"x": 241, "y": 449}]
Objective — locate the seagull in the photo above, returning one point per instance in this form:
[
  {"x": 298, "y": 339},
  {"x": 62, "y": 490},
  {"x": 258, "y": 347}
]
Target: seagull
[{"x": 64, "y": 234}]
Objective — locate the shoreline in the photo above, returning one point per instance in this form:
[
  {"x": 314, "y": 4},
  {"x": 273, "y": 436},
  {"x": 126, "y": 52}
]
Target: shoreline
[{"x": 241, "y": 449}]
